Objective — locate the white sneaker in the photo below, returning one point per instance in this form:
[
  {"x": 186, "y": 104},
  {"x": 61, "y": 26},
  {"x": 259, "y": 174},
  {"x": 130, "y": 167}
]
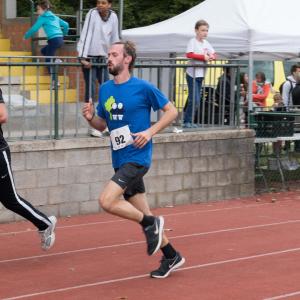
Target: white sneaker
[
  {"x": 58, "y": 61},
  {"x": 176, "y": 130},
  {"x": 48, "y": 235},
  {"x": 94, "y": 132}
]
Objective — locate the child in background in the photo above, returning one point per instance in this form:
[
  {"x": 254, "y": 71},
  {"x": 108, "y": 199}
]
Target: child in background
[
  {"x": 278, "y": 104},
  {"x": 244, "y": 82},
  {"x": 197, "y": 49},
  {"x": 52, "y": 26}
]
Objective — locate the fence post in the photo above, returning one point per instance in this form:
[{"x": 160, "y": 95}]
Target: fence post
[
  {"x": 56, "y": 107},
  {"x": 238, "y": 97},
  {"x": 31, "y": 23},
  {"x": 159, "y": 79}
]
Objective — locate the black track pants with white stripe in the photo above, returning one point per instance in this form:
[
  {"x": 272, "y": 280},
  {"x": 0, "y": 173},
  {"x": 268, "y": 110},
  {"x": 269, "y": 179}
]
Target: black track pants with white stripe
[{"x": 11, "y": 200}]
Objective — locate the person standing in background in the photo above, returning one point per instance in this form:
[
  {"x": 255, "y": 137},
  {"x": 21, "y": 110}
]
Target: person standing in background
[
  {"x": 100, "y": 30},
  {"x": 288, "y": 86},
  {"x": 260, "y": 90},
  {"x": 54, "y": 27},
  {"x": 198, "y": 49}
]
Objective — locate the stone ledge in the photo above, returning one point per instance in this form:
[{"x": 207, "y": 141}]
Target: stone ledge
[{"x": 90, "y": 142}]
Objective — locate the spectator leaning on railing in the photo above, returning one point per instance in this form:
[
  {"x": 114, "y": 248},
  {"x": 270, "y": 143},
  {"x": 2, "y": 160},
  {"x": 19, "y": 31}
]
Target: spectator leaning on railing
[
  {"x": 100, "y": 30},
  {"x": 198, "y": 49}
]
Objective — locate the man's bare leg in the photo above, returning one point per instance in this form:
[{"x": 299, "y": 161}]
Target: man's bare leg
[
  {"x": 171, "y": 258},
  {"x": 110, "y": 201}
]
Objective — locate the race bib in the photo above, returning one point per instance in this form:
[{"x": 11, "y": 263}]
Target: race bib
[{"x": 121, "y": 137}]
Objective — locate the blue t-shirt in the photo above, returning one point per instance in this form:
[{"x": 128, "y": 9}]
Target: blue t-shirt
[{"x": 130, "y": 103}]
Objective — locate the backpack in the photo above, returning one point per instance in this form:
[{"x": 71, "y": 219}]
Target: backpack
[
  {"x": 296, "y": 94},
  {"x": 290, "y": 91},
  {"x": 281, "y": 86}
]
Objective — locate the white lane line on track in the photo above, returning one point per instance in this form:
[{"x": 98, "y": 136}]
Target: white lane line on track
[
  {"x": 142, "y": 242},
  {"x": 122, "y": 220},
  {"x": 283, "y": 296},
  {"x": 216, "y": 263}
]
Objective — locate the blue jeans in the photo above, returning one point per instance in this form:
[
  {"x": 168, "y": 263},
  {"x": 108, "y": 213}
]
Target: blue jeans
[
  {"x": 194, "y": 97},
  {"x": 90, "y": 76},
  {"x": 50, "y": 49}
]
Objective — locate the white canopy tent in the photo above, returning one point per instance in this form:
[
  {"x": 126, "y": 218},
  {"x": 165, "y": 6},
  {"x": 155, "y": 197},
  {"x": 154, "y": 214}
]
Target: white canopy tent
[
  {"x": 267, "y": 28},
  {"x": 244, "y": 29}
]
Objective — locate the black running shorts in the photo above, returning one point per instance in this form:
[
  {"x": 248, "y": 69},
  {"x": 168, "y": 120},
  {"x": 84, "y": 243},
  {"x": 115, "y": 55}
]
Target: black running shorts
[{"x": 130, "y": 178}]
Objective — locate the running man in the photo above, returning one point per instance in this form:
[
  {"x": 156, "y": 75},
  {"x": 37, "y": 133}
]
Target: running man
[
  {"x": 124, "y": 107},
  {"x": 11, "y": 200}
]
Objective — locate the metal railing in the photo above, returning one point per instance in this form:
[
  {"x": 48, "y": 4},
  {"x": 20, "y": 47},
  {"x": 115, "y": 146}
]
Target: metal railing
[{"x": 40, "y": 108}]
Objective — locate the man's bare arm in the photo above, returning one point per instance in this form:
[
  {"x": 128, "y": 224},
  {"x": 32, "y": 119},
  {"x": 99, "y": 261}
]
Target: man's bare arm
[
  {"x": 170, "y": 114},
  {"x": 88, "y": 113}
]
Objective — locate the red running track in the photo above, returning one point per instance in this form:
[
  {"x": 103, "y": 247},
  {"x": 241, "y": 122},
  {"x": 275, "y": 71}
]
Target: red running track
[{"x": 238, "y": 249}]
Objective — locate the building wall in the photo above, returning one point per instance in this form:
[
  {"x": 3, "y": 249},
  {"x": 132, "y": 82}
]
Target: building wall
[
  {"x": 64, "y": 177},
  {"x": 13, "y": 28}
]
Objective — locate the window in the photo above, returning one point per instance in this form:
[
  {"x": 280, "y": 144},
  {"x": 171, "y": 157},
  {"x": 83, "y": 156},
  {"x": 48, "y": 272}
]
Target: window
[{"x": 261, "y": 66}]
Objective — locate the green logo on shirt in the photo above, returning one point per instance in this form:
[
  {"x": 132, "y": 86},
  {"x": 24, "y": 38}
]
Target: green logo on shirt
[
  {"x": 108, "y": 105},
  {"x": 115, "y": 110}
]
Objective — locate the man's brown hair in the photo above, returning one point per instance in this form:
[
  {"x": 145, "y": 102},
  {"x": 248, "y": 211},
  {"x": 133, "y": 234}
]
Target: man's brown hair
[
  {"x": 294, "y": 68},
  {"x": 129, "y": 50}
]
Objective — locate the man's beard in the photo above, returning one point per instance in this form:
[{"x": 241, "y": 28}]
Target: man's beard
[{"x": 116, "y": 70}]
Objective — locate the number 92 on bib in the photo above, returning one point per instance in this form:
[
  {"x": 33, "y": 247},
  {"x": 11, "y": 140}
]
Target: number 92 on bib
[{"x": 121, "y": 137}]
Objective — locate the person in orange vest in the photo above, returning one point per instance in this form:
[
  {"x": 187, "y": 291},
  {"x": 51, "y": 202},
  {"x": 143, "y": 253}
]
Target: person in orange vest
[{"x": 260, "y": 90}]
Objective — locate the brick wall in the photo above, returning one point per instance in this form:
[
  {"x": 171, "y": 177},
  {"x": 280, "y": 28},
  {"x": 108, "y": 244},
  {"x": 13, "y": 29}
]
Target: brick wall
[
  {"x": 14, "y": 30},
  {"x": 70, "y": 50},
  {"x": 65, "y": 177}
]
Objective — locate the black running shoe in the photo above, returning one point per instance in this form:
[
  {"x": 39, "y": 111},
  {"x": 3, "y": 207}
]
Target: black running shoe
[
  {"x": 167, "y": 266},
  {"x": 154, "y": 234}
]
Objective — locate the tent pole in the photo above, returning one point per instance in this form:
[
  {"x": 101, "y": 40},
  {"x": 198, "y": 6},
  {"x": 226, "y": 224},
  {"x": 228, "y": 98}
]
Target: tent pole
[
  {"x": 250, "y": 73},
  {"x": 121, "y": 12}
]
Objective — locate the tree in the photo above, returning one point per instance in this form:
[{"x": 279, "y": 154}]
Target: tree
[
  {"x": 141, "y": 13},
  {"x": 136, "y": 12}
]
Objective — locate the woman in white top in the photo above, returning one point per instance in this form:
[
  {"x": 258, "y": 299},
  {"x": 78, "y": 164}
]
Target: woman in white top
[
  {"x": 197, "y": 49},
  {"x": 100, "y": 31}
]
